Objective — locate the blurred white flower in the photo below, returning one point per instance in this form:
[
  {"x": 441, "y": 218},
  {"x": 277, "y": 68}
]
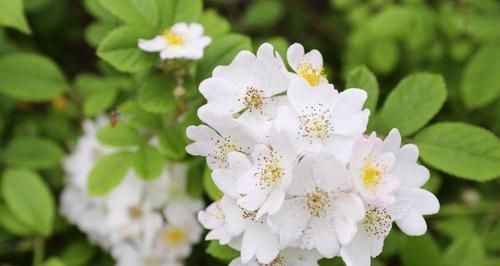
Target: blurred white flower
[
  {"x": 140, "y": 222},
  {"x": 180, "y": 41}
]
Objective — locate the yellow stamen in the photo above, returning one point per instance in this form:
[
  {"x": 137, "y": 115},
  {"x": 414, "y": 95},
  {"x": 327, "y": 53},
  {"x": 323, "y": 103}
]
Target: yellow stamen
[
  {"x": 371, "y": 176},
  {"x": 174, "y": 236},
  {"x": 172, "y": 38},
  {"x": 313, "y": 75}
]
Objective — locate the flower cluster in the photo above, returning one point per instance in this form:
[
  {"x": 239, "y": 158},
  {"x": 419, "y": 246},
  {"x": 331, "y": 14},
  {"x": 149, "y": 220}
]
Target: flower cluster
[
  {"x": 180, "y": 41},
  {"x": 301, "y": 180},
  {"x": 139, "y": 222}
]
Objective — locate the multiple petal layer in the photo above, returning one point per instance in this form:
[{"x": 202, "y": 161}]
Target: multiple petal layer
[{"x": 299, "y": 178}]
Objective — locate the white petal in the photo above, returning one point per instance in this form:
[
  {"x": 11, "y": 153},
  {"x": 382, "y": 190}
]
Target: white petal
[
  {"x": 222, "y": 96},
  {"x": 321, "y": 235},
  {"x": 392, "y": 142},
  {"x": 301, "y": 95},
  {"x": 260, "y": 241},
  {"x": 356, "y": 253},
  {"x": 412, "y": 224},
  {"x": 294, "y": 55},
  {"x": 314, "y": 58},
  {"x": 156, "y": 44},
  {"x": 292, "y": 210},
  {"x": 273, "y": 202},
  {"x": 225, "y": 180},
  {"x": 348, "y": 211}
]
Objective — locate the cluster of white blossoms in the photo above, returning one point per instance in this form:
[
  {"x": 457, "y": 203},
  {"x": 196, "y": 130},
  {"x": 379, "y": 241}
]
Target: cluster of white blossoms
[
  {"x": 140, "y": 222},
  {"x": 180, "y": 41},
  {"x": 300, "y": 178}
]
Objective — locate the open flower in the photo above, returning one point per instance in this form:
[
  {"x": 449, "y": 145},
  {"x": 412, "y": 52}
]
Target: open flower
[
  {"x": 223, "y": 137},
  {"x": 180, "y": 41},
  {"x": 320, "y": 118},
  {"x": 308, "y": 66},
  {"x": 320, "y": 212},
  {"x": 250, "y": 85},
  {"x": 263, "y": 187},
  {"x": 406, "y": 204}
]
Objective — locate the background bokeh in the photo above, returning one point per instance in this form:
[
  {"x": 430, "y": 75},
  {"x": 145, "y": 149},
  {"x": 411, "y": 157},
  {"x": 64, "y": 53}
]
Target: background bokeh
[{"x": 458, "y": 39}]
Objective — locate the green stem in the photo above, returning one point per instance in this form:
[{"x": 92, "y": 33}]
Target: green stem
[{"x": 38, "y": 251}]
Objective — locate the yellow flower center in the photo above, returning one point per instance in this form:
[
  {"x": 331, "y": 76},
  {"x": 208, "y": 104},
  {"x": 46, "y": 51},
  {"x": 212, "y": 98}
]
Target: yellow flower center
[
  {"x": 316, "y": 201},
  {"x": 371, "y": 177},
  {"x": 270, "y": 170},
  {"x": 172, "y": 38},
  {"x": 174, "y": 236},
  {"x": 135, "y": 212},
  {"x": 315, "y": 125},
  {"x": 313, "y": 75},
  {"x": 253, "y": 98}
]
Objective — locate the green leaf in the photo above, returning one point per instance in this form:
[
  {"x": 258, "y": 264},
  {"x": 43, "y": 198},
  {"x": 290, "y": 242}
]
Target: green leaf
[
  {"x": 54, "y": 262},
  {"x": 97, "y": 10},
  {"x": 138, "y": 117},
  {"x": 119, "y": 48},
  {"x": 109, "y": 172},
  {"x": 12, "y": 224},
  {"x": 492, "y": 240},
  {"x": 11, "y": 15},
  {"x": 172, "y": 11},
  {"x": 119, "y": 136},
  {"x": 221, "y": 52},
  {"x": 461, "y": 150},
  {"x": 214, "y": 24},
  {"x": 420, "y": 251},
  {"x": 148, "y": 162},
  {"x": 466, "y": 251},
  {"x": 481, "y": 82},
  {"x": 262, "y": 14},
  {"x": 29, "y": 198},
  {"x": 221, "y": 252},
  {"x": 361, "y": 77},
  {"x": 194, "y": 183},
  {"x": 383, "y": 55},
  {"x": 455, "y": 227},
  {"x": 173, "y": 141},
  {"x": 27, "y": 76},
  {"x": 97, "y": 31},
  {"x": 100, "y": 92},
  {"x": 141, "y": 13},
  {"x": 77, "y": 253},
  {"x": 412, "y": 104},
  {"x": 156, "y": 95},
  {"x": 32, "y": 152},
  {"x": 213, "y": 192}
]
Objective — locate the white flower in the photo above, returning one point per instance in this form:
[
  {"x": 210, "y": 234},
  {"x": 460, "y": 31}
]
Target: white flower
[
  {"x": 228, "y": 220},
  {"x": 288, "y": 257},
  {"x": 263, "y": 187},
  {"x": 180, "y": 41},
  {"x": 250, "y": 84},
  {"x": 308, "y": 66},
  {"x": 320, "y": 118},
  {"x": 408, "y": 202},
  {"x": 176, "y": 240},
  {"x": 321, "y": 211},
  {"x": 224, "y": 136},
  {"x": 86, "y": 153}
]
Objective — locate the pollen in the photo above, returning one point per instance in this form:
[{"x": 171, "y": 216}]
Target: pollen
[
  {"x": 317, "y": 200},
  {"x": 174, "y": 236},
  {"x": 313, "y": 75},
  {"x": 223, "y": 147},
  {"x": 253, "y": 99},
  {"x": 135, "y": 212},
  {"x": 269, "y": 170},
  {"x": 278, "y": 261},
  {"x": 173, "y": 38},
  {"x": 377, "y": 222},
  {"x": 315, "y": 124},
  {"x": 249, "y": 214},
  {"x": 372, "y": 174}
]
